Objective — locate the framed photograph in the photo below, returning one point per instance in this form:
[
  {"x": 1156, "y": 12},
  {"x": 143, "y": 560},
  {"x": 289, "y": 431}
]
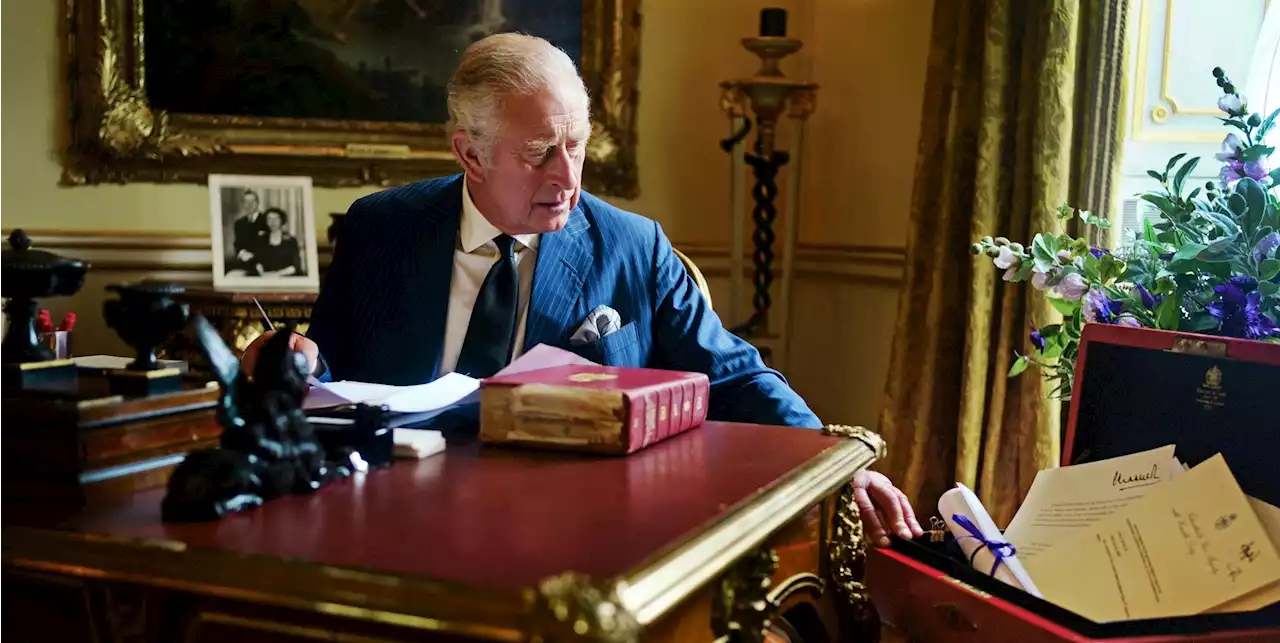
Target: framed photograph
[
  {"x": 348, "y": 92},
  {"x": 263, "y": 233}
]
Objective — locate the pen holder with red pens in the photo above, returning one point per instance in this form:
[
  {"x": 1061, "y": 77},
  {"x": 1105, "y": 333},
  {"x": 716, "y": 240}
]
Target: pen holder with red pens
[{"x": 57, "y": 339}]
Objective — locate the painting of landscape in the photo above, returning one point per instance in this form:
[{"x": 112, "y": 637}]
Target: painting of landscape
[{"x": 361, "y": 60}]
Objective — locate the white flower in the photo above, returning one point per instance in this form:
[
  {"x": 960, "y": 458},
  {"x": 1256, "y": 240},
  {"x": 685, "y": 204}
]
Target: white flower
[
  {"x": 1231, "y": 146},
  {"x": 1064, "y": 256},
  {"x": 1232, "y": 104},
  {"x": 1007, "y": 258},
  {"x": 1040, "y": 280},
  {"x": 1072, "y": 287}
]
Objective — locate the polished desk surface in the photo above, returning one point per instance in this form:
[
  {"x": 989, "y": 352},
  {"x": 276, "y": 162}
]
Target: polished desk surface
[{"x": 492, "y": 516}]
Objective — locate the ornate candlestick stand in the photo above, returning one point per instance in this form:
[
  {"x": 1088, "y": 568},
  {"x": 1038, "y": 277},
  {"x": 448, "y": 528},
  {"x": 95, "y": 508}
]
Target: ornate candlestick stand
[
  {"x": 30, "y": 275},
  {"x": 766, "y": 95}
]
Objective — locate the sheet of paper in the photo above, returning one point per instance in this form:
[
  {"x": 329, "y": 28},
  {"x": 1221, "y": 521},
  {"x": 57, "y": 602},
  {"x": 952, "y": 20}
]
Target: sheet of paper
[
  {"x": 1269, "y": 516},
  {"x": 544, "y": 356},
  {"x": 1064, "y": 500},
  {"x": 963, "y": 502},
  {"x": 436, "y": 395},
  {"x": 1183, "y": 548},
  {"x": 445, "y": 391}
]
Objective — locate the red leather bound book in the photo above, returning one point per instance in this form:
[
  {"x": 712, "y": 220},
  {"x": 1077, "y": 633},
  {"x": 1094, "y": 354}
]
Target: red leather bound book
[{"x": 600, "y": 409}]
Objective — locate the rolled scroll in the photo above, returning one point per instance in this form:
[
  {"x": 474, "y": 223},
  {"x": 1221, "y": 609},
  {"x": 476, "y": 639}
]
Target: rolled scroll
[{"x": 980, "y": 540}]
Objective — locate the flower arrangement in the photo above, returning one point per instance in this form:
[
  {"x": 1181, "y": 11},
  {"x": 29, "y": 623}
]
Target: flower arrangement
[{"x": 1208, "y": 266}]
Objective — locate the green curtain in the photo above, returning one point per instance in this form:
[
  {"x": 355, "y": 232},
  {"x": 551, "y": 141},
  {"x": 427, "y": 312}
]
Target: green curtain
[{"x": 1011, "y": 110}]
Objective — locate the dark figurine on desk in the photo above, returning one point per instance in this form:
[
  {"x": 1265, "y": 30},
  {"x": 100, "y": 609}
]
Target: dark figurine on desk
[{"x": 268, "y": 448}]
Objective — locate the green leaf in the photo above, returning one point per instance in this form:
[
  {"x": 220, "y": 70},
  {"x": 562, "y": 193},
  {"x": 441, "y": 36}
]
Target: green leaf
[
  {"x": 1155, "y": 175},
  {"x": 1237, "y": 205},
  {"x": 1109, "y": 268},
  {"x": 1181, "y": 176},
  {"x": 1169, "y": 312},
  {"x": 1268, "y": 269},
  {"x": 1042, "y": 253},
  {"x": 1194, "y": 194},
  {"x": 1275, "y": 175},
  {"x": 1019, "y": 365},
  {"x": 1023, "y": 271},
  {"x": 1174, "y": 161},
  {"x": 1268, "y": 288},
  {"x": 1052, "y": 330},
  {"x": 1267, "y": 124},
  {"x": 1255, "y": 202},
  {"x": 1200, "y": 322},
  {"x": 1148, "y": 232},
  {"x": 1221, "y": 221},
  {"x": 1064, "y": 306},
  {"x": 1255, "y": 152},
  {"x": 1166, "y": 206},
  {"x": 1097, "y": 222},
  {"x": 1052, "y": 350},
  {"x": 1188, "y": 252},
  {"x": 1236, "y": 122}
]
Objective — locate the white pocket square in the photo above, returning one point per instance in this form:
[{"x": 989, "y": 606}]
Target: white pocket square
[{"x": 599, "y": 323}]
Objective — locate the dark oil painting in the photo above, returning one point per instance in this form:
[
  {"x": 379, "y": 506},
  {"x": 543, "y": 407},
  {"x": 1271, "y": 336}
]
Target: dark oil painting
[{"x": 369, "y": 60}]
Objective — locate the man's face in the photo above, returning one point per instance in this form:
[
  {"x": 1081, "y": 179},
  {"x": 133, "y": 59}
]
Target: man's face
[
  {"x": 534, "y": 175},
  {"x": 250, "y": 202}
]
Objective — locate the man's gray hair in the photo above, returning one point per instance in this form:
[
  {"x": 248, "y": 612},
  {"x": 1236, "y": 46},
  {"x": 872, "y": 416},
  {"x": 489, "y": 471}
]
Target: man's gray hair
[{"x": 502, "y": 65}]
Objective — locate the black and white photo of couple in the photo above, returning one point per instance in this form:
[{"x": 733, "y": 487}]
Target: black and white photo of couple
[{"x": 262, "y": 232}]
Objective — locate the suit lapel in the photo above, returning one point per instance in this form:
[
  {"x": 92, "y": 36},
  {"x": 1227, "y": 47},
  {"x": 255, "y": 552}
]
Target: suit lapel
[
  {"x": 435, "y": 266},
  {"x": 564, "y": 257}
]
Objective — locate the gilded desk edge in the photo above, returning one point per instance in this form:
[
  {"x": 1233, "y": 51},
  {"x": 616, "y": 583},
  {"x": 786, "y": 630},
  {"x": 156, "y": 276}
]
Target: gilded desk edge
[{"x": 571, "y": 603}]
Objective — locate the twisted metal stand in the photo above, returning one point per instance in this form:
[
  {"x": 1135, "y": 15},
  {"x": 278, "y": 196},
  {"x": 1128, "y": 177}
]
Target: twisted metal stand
[{"x": 763, "y": 214}]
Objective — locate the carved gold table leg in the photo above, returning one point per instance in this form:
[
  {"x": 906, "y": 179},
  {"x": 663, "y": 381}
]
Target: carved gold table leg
[{"x": 847, "y": 552}]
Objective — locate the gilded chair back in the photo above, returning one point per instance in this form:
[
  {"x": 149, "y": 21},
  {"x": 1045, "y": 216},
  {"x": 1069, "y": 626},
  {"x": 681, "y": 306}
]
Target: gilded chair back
[{"x": 694, "y": 272}]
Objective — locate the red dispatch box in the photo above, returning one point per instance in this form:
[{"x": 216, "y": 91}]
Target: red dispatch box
[{"x": 1136, "y": 389}]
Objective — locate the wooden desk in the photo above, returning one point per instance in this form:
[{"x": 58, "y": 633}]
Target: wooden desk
[{"x": 674, "y": 543}]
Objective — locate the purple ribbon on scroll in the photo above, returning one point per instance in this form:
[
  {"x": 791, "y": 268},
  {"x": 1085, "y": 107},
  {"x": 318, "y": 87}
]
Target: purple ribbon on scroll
[{"x": 1001, "y": 550}]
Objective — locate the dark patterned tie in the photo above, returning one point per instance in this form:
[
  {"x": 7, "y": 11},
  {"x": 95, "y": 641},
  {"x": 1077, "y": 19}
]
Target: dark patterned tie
[{"x": 492, "y": 329}]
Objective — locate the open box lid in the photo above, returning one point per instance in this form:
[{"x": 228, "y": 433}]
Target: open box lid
[{"x": 1139, "y": 388}]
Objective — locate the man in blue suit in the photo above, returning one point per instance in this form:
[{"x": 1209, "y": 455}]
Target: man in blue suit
[{"x": 464, "y": 273}]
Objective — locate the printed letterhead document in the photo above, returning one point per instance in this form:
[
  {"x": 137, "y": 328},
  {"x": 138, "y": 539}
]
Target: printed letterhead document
[
  {"x": 1183, "y": 548},
  {"x": 1062, "y": 501}
]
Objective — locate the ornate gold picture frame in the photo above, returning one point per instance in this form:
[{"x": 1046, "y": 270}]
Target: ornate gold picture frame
[{"x": 119, "y": 134}]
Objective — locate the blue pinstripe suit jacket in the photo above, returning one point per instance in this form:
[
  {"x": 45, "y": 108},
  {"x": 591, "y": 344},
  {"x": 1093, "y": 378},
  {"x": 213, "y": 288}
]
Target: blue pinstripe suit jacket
[{"x": 380, "y": 316}]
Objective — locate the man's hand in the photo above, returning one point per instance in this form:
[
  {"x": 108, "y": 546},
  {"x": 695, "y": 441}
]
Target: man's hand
[
  {"x": 884, "y": 508},
  {"x": 244, "y": 255},
  {"x": 297, "y": 342}
]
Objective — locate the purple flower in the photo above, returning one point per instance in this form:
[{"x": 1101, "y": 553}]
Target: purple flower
[
  {"x": 1255, "y": 170},
  {"x": 1233, "y": 104},
  {"x": 1128, "y": 320},
  {"x": 1040, "y": 280},
  {"x": 1148, "y": 300},
  {"x": 1036, "y": 339},
  {"x": 1239, "y": 309},
  {"x": 1098, "y": 252},
  {"x": 1166, "y": 256},
  {"x": 1231, "y": 146},
  {"x": 1099, "y": 309},
  {"x": 1231, "y": 172},
  {"x": 1007, "y": 258},
  {"x": 1266, "y": 245},
  {"x": 1072, "y": 287}
]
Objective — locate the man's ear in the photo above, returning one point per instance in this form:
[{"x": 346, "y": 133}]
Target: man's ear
[{"x": 467, "y": 154}]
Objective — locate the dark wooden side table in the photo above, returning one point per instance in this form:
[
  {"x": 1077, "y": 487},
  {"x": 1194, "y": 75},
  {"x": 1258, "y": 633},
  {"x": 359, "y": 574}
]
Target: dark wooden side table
[{"x": 238, "y": 320}]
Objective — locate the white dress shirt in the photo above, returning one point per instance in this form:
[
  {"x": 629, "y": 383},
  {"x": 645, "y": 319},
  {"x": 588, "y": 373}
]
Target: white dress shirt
[{"x": 474, "y": 255}]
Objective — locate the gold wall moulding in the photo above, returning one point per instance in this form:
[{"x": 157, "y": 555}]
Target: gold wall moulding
[
  {"x": 128, "y": 122},
  {"x": 188, "y": 255}
]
